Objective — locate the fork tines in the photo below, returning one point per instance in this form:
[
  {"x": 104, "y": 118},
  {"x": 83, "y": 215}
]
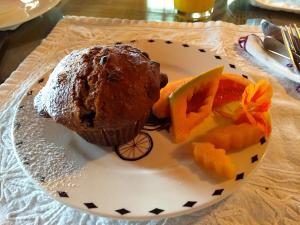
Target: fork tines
[{"x": 291, "y": 39}]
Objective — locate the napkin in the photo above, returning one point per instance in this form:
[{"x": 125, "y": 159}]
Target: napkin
[{"x": 270, "y": 196}]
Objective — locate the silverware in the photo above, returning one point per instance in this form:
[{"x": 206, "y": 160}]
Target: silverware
[
  {"x": 295, "y": 37},
  {"x": 271, "y": 30},
  {"x": 291, "y": 39},
  {"x": 275, "y": 47}
]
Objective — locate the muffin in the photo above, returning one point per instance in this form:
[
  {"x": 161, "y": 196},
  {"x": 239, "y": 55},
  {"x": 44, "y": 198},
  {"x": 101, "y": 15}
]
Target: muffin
[{"x": 103, "y": 93}]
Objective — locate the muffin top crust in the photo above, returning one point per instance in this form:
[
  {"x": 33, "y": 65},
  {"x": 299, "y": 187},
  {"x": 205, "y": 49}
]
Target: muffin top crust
[{"x": 103, "y": 86}]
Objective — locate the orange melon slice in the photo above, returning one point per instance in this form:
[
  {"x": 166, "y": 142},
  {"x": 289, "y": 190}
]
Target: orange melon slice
[
  {"x": 191, "y": 103},
  {"x": 213, "y": 159},
  {"x": 231, "y": 88},
  {"x": 234, "y": 136},
  {"x": 161, "y": 108}
]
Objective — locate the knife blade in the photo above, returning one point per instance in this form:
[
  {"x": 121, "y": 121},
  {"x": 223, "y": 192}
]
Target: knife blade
[{"x": 271, "y": 30}]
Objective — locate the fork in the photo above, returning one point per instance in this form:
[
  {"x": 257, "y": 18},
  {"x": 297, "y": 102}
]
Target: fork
[{"x": 291, "y": 39}]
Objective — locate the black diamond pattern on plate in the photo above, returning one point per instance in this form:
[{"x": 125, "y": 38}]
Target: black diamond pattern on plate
[
  {"x": 151, "y": 40},
  {"x": 254, "y": 158},
  {"x": 218, "y": 57},
  {"x": 232, "y": 66},
  {"x": 202, "y": 50},
  {"x": 189, "y": 204},
  {"x": 17, "y": 125},
  {"x": 245, "y": 76},
  {"x": 63, "y": 194},
  {"x": 218, "y": 192},
  {"x": 262, "y": 140},
  {"x": 156, "y": 211},
  {"x": 122, "y": 211},
  {"x": 25, "y": 161},
  {"x": 90, "y": 205},
  {"x": 169, "y": 42},
  {"x": 19, "y": 143},
  {"x": 185, "y": 45},
  {"x": 41, "y": 80},
  {"x": 240, "y": 176},
  {"x": 29, "y": 93}
]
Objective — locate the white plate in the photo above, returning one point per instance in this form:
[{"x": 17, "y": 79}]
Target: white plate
[
  {"x": 15, "y": 12},
  {"x": 165, "y": 183},
  {"x": 278, "y": 5}
]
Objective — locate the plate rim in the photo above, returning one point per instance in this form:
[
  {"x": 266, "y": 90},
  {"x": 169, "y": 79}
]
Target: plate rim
[
  {"x": 262, "y": 3},
  {"x": 16, "y": 23}
]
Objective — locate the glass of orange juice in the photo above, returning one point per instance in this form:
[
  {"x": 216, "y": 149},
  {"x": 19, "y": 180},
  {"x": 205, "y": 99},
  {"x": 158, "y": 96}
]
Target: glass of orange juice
[{"x": 194, "y": 10}]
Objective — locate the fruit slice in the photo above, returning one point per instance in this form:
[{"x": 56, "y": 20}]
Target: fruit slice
[
  {"x": 191, "y": 103},
  {"x": 255, "y": 104},
  {"x": 234, "y": 136},
  {"x": 161, "y": 108},
  {"x": 213, "y": 159},
  {"x": 229, "y": 110},
  {"x": 231, "y": 88}
]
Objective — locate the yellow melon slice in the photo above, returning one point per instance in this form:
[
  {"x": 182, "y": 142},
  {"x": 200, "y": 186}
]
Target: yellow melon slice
[
  {"x": 213, "y": 159},
  {"x": 234, "y": 136},
  {"x": 191, "y": 103}
]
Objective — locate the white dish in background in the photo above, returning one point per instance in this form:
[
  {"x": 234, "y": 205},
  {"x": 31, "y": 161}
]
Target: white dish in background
[
  {"x": 15, "y": 12},
  {"x": 278, "y": 5},
  {"x": 165, "y": 183}
]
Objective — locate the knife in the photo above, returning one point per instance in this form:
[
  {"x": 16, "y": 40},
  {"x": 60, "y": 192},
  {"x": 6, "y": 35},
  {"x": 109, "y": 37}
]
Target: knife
[
  {"x": 276, "y": 50},
  {"x": 271, "y": 30}
]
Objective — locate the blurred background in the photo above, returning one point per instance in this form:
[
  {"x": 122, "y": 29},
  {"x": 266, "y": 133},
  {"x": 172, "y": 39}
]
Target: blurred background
[{"x": 20, "y": 42}]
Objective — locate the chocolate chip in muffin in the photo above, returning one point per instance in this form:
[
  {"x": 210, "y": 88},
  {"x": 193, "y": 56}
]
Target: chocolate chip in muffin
[
  {"x": 113, "y": 76},
  {"x": 146, "y": 55},
  {"x": 163, "y": 80},
  {"x": 103, "y": 60},
  {"x": 88, "y": 118}
]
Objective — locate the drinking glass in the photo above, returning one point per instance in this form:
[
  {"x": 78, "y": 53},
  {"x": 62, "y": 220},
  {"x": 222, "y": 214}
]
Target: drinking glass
[{"x": 194, "y": 10}]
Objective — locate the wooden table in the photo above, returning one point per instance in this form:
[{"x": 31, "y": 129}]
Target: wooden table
[{"x": 24, "y": 39}]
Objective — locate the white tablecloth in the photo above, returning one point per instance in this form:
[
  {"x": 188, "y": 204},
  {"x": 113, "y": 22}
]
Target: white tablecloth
[{"x": 270, "y": 196}]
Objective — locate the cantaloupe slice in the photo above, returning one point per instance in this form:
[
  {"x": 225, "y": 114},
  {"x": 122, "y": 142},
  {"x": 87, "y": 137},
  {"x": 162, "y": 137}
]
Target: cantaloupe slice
[
  {"x": 229, "y": 94},
  {"x": 213, "y": 159},
  {"x": 191, "y": 103},
  {"x": 235, "y": 136},
  {"x": 161, "y": 108},
  {"x": 231, "y": 88}
]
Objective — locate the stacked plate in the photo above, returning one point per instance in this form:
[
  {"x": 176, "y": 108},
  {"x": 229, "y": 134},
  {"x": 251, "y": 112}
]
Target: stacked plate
[
  {"x": 15, "y": 12},
  {"x": 280, "y": 5}
]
